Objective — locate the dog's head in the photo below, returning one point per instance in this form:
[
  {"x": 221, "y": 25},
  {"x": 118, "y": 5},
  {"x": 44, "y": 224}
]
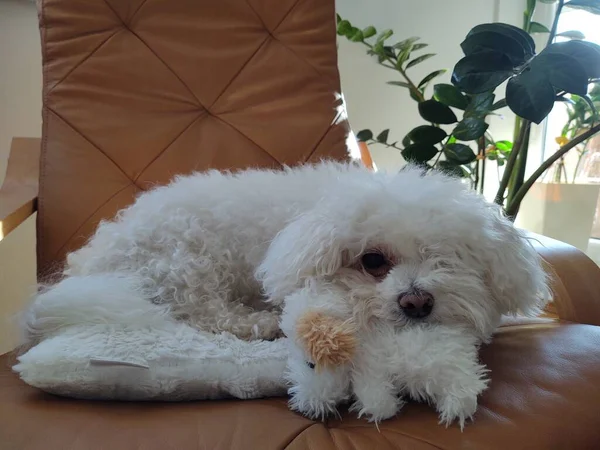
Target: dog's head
[{"x": 410, "y": 248}]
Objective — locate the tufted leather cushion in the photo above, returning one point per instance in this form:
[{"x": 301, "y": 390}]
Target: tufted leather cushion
[{"x": 137, "y": 91}]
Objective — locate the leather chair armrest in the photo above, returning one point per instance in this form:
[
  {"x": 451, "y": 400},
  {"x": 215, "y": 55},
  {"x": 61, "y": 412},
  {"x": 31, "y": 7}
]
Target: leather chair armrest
[
  {"x": 575, "y": 280},
  {"x": 18, "y": 193}
]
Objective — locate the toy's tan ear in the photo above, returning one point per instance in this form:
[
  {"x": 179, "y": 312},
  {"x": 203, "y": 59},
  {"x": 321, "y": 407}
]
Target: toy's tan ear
[{"x": 329, "y": 341}]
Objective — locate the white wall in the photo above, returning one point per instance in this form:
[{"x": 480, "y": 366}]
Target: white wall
[{"x": 20, "y": 115}]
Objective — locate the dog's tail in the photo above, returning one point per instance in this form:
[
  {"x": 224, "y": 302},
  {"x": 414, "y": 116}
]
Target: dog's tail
[{"x": 93, "y": 299}]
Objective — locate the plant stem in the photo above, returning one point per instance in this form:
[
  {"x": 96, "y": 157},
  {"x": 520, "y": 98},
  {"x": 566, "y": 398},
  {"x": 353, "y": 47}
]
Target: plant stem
[
  {"x": 514, "y": 205},
  {"x": 554, "y": 29},
  {"x": 521, "y": 162},
  {"x": 510, "y": 165}
]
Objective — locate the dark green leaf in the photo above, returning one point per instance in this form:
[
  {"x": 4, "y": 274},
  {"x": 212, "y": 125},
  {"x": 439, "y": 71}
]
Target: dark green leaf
[
  {"x": 505, "y": 46},
  {"x": 338, "y": 18},
  {"x": 499, "y": 105},
  {"x": 419, "y": 153},
  {"x": 480, "y": 105},
  {"x": 427, "y": 134},
  {"x": 368, "y": 32},
  {"x": 406, "y": 141},
  {"x": 416, "y": 95},
  {"x": 496, "y": 41},
  {"x": 431, "y": 76},
  {"x": 459, "y": 153},
  {"x": 450, "y": 95},
  {"x": 537, "y": 27},
  {"x": 470, "y": 129},
  {"x": 418, "y": 60},
  {"x": 482, "y": 72},
  {"x": 364, "y": 135},
  {"x": 530, "y": 95},
  {"x": 500, "y": 162},
  {"x": 436, "y": 112},
  {"x": 452, "y": 169},
  {"x": 564, "y": 72},
  {"x": 573, "y": 34},
  {"x": 385, "y": 34},
  {"x": 592, "y": 6},
  {"x": 419, "y": 46},
  {"x": 383, "y": 136},
  {"x": 399, "y": 83},
  {"x": 587, "y": 53},
  {"x": 344, "y": 28}
]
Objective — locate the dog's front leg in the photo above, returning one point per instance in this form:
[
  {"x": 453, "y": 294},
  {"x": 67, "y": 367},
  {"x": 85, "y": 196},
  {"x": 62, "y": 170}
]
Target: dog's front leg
[
  {"x": 441, "y": 365},
  {"x": 322, "y": 342},
  {"x": 377, "y": 394}
]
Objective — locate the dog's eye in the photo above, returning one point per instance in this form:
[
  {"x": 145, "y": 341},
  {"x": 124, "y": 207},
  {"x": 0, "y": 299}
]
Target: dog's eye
[{"x": 375, "y": 264}]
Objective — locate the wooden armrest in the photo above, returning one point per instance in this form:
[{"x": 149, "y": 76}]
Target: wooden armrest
[
  {"x": 575, "y": 280},
  {"x": 18, "y": 193}
]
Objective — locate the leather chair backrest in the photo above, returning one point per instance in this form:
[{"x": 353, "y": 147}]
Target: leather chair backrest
[{"x": 137, "y": 91}]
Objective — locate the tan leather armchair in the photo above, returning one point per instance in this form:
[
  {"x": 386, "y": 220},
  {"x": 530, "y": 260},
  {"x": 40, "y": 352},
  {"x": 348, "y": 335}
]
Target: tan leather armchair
[{"x": 136, "y": 91}]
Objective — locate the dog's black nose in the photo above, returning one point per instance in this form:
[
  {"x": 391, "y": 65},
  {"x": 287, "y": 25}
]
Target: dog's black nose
[{"x": 416, "y": 304}]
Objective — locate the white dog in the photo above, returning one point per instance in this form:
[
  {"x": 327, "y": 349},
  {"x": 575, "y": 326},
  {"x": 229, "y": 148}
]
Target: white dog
[{"x": 228, "y": 252}]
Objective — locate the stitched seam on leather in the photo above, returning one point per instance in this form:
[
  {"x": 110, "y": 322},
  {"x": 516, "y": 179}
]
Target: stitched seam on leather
[
  {"x": 319, "y": 74},
  {"x": 188, "y": 126},
  {"x": 250, "y": 139},
  {"x": 318, "y": 143},
  {"x": 135, "y": 13},
  {"x": 304, "y": 430},
  {"x": 285, "y": 16},
  {"x": 82, "y": 61},
  {"x": 169, "y": 68},
  {"x": 87, "y": 219},
  {"x": 92, "y": 144},
  {"x": 401, "y": 433},
  {"x": 261, "y": 45}
]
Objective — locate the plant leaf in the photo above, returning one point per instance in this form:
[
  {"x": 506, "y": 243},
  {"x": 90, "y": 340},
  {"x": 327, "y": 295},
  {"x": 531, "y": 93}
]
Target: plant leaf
[
  {"x": 564, "y": 72},
  {"x": 496, "y": 41},
  {"x": 357, "y": 36},
  {"x": 526, "y": 42},
  {"x": 482, "y": 72},
  {"x": 451, "y": 168},
  {"x": 364, "y": 135},
  {"x": 573, "y": 34},
  {"x": 344, "y": 28},
  {"x": 427, "y": 134},
  {"x": 385, "y": 34},
  {"x": 368, "y": 32},
  {"x": 591, "y": 6},
  {"x": 399, "y": 83},
  {"x": 504, "y": 146},
  {"x": 499, "y": 105},
  {"x": 419, "y": 46},
  {"x": 431, "y": 76},
  {"x": 406, "y": 42},
  {"x": 537, "y": 27},
  {"x": 450, "y": 95},
  {"x": 383, "y": 136},
  {"x": 459, "y": 153},
  {"x": 470, "y": 128},
  {"x": 406, "y": 141},
  {"x": 480, "y": 105},
  {"x": 419, "y": 153},
  {"x": 530, "y": 95},
  {"x": 436, "y": 112},
  {"x": 418, "y": 60},
  {"x": 587, "y": 53}
]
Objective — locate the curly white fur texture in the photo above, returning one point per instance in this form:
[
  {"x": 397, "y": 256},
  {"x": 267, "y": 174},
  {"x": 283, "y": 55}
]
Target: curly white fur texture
[{"x": 227, "y": 252}]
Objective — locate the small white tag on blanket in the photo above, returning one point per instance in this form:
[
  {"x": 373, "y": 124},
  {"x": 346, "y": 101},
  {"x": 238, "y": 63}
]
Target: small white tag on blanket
[{"x": 115, "y": 362}]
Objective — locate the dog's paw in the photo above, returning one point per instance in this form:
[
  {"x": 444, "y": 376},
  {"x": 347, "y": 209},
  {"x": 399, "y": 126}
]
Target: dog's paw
[
  {"x": 456, "y": 409},
  {"x": 329, "y": 341},
  {"x": 378, "y": 408},
  {"x": 312, "y": 406}
]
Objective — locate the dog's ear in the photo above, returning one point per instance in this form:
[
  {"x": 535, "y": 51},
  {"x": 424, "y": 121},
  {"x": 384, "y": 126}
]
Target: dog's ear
[
  {"x": 513, "y": 269},
  {"x": 309, "y": 246}
]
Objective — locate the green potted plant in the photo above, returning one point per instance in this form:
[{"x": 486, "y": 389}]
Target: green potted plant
[
  {"x": 494, "y": 53},
  {"x": 563, "y": 203}
]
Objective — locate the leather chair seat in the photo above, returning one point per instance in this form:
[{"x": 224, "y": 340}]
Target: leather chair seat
[{"x": 544, "y": 394}]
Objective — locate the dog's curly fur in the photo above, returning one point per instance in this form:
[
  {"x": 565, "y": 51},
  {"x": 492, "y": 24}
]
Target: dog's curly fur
[{"x": 229, "y": 252}]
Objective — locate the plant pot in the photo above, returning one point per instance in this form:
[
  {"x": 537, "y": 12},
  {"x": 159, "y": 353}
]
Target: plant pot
[{"x": 560, "y": 211}]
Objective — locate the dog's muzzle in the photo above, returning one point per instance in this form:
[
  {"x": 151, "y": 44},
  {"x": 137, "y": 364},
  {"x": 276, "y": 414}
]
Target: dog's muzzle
[{"x": 416, "y": 304}]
